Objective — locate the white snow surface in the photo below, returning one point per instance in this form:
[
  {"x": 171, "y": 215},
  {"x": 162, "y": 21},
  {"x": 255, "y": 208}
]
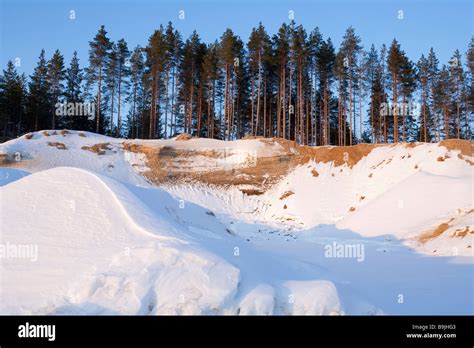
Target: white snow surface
[{"x": 100, "y": 239}]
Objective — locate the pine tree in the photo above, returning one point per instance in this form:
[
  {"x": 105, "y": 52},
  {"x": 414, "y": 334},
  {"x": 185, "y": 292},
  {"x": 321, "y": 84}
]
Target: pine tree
[
  {"x": 38, "y": 103},
  {"x": 433, "y": 72},
  {"x": 211, "y": 75},
  {"x": 395, "y": 62},
  {"x": 281, "y": 43},
  {"x": 456, "y": 83},
  {"x": 423, "y": 75},
  {"x": 314, "y": 44},
  {"x": 191, "y": 89},
  {"x": 270, "y": 82},
  {"x": 469, "y": 90},
  {"x": 98, "y": 54},
  {"x": 110, "y": 80},
  {"x": 443, "y": 96},
  {"x": 156, "y": 57},
  {"x": 168, "y": 70},
  {"x": 123, "y": 55},
  {"x": 408, "y": 85},
  {"x": 372, "y": 67},
  {"x": 12, "y": 96},
  {"x": 378, "y": 98},
  {"x": 137, "y": 69},
  {"x": 361, "y": 71},
  {"x": 440, "y": 103},
  {"x": 341, "y": 76},
  {"x": 229, "y": 57},
  {"x": 56, "y": 76},
  {"x": 351, "y": 47},
  {"x": 326, "y": 59},
  {"x": 174, "y": 49},
  {"x": 241, "y": 106},
  {"x": 300, "y": 57},
  {"x": 258, "y": 44},
  {"x": 74, "y": 94}
]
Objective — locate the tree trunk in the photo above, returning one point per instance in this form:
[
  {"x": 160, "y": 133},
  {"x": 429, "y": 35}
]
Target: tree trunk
[
  {"x": 264, "y": 106},
  {"x": 301, "y": 103},
  {"x": 258, "y": 95},
  {"x": 213, "y": 107},
  {"x": 54, "y": 111},
  {"x": 395, "y": 110},
  {"x": 290, "y": 107},
  {"x": 360, "y": 112},
  {"x": 112, "y": 109},
  {"x": 278, "y": 105},
  {"x": 208, "y": 108},
  {"x": 350, "y": 103},
  {"x": 166, "y": 104},
  {"x": 225, "y": 100},
  {"x": 307, "y": 121},
  {"x": 424, "y": 113},
  {"x": 173, "y": 115},
  {"x": 134, "y": 110},
  {"x": 199, "y": 111},
  {"x": 458, "y": 112},
  {"x": 446, "y": 120},
  {"x": 284, "y": 102},
  {"x": 404, "y": 136},
  {"x": 98, "y": 100},
  {"x": 191, "y": 97},
  {"x": 252, "y": 101}
]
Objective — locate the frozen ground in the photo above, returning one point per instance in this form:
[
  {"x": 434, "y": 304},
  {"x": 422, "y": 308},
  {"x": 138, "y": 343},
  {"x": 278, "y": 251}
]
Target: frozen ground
[{"x": 83, "y": 233}]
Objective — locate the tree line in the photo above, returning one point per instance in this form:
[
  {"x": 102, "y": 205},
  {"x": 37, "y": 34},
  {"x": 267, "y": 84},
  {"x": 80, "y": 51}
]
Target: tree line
[{"x": 293, "y": 85}]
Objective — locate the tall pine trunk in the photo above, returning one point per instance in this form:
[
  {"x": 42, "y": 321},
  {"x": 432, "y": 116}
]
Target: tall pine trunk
[
  {"x": 395, "y": 110},
  {"x": 350, "y": 103},
  {"x": 118, "y": 101},
  {"x": 258, "y": 95},
  {"x": 112, "y": 106},
  {"x": 98, "y": 100},
  {"x": 264, "y": 106},
  {"x": 166, "y": 103}
]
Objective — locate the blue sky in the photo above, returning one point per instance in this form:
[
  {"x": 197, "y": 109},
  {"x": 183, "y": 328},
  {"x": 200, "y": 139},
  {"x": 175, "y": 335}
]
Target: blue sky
[{"x": 27, "y": 26}]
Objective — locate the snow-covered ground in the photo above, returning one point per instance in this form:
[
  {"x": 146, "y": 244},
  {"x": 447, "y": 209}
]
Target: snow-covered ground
[{"x": 83, "y": 231}]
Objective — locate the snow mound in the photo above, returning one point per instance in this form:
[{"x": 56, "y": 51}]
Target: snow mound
[
  {"x": 316, "y": 296},
  {"x": 93, "y": 257},
  {"x": 100, "y": 247},
  {"x": 85, "y": 150}
]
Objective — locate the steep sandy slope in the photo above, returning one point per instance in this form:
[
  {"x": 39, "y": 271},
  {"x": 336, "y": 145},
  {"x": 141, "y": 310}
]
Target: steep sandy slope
[{"x": 399, "y": 191}]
